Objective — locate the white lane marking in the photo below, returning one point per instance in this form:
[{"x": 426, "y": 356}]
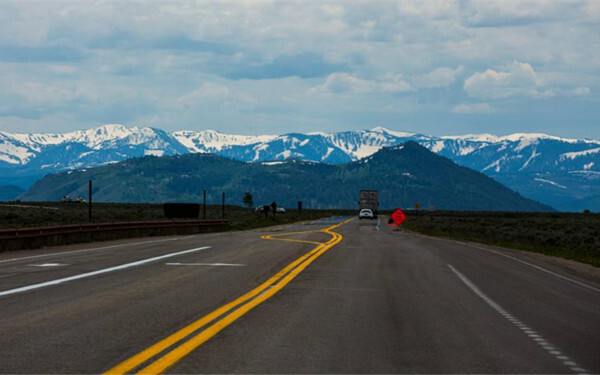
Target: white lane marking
[
  {"x": 93, "y": 249},
  {"x": 540, "y": 268},
  {"x": 48, "y": 265},
  {"x": 207, "y": 264},
  {"x": 537, "y": 339},
  {"x": 99, "y": 272}
]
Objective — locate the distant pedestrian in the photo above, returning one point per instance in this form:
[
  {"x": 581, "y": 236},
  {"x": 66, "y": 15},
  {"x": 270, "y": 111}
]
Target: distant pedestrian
[{"x": 274, "y": 207}]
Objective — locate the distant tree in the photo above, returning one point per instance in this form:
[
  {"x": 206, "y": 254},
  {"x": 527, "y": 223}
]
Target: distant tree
[{"x": 248, "y": 201}]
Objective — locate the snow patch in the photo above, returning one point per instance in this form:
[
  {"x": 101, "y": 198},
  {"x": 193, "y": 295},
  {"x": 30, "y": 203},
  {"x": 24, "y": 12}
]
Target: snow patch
[
  {"x": 589, "y": 174},
  {"x": 550, "y": 182},
  {"x": 285, "y": 155},
  {"x": 380, "y": 129},
  {"x": 466, "y": 150},
  {"x": 154, "y": 152},
  {"x": 438, "y": 146},
  {"x": 533, "y": 137},
  {"x": 14, "y": 154},
  {"x": 364, "y": 151},
  {"x": 8, "y": 159},
  {"x": 84, "y": 154},
  {"x": 216, "y": 141},
  {"x": 488, "y": 138},
  {"x": 495, "y": 164},
  {"x": 329, "y": 151},
  {"x": 573, "y": 155},
  {"x": 533, "y": 156},
  {"x": 525, "y": 142}
]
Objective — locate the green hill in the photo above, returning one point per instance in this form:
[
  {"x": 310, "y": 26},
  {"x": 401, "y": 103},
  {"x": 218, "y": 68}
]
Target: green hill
[{"x": 403, "y": 175}]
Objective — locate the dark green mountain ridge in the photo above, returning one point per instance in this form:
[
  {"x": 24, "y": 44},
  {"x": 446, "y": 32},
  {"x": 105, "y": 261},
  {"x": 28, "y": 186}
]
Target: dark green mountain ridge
[
  {"x": 404, "y": 175},
  {"x": 10, "y": 192}
]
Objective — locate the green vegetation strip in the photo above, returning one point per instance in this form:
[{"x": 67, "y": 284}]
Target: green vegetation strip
[
  {"x": 22, "y": 215},
  {"x": 566, "y": 235}
]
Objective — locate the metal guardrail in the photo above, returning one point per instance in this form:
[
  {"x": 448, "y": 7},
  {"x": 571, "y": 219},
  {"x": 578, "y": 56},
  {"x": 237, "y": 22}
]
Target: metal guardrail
[{"x": 16, "y": 233}]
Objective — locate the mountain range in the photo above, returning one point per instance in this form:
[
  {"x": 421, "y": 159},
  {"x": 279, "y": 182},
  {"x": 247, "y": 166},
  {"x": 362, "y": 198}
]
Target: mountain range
[
  {"x": 561, "y": 172},
  {"x": 404, "y": 175}
]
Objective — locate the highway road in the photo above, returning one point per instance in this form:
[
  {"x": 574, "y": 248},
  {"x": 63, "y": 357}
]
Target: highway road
[{"x": 337, "y": 295}]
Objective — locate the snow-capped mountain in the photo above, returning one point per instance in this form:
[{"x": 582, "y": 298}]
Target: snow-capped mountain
[
  {"x": 25, "y": 158},
  {"x": 24, "y": 149},
  {"x": 211, "y": 141},
  {"x": 553, "y": 170}
]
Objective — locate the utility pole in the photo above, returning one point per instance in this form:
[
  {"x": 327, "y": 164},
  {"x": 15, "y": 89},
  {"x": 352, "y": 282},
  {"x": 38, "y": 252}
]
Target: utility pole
[
  {"x": 204, "y": 206},
  {"x": 223, "y": 207},
  {"x": 90, "y": 201}
]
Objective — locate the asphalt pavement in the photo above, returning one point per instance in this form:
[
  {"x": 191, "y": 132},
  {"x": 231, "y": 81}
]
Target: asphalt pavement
[{"x": 329, "y": 296}]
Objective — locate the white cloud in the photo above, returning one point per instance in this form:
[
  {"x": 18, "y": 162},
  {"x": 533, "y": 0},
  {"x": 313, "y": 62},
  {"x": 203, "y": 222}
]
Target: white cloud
[
  {"x": 345, "y": 83},
  {"x": 210, "y": 92},
  {"x": 429, "y": 9},
  {"x": 509, "y": 13},
  {"x": 440, "y": 77},
  {"x": 62, "y": 69},
  {"x": 471, "y": 108},
  {"x": 39, "y": 94},
  {"x": 580, "y": 91},
  {"x": 107, "y": 61},
  {"x": 519, "y": 79}
]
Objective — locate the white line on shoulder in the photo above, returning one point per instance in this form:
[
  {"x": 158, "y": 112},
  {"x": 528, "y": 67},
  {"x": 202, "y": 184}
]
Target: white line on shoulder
[
  {"x": 541, "y": 269},
  {"x": 98, "y": 272}
]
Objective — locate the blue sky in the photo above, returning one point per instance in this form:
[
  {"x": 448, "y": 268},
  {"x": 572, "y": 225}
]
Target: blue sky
[{"x": 434, "y": 67}]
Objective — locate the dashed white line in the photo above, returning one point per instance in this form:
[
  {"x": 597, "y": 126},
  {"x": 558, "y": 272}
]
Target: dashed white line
[
  {"x": 523, "y": 262},
  {"x": 536, "y": 337},
  {"x": 98, "y": 272},
  {"x": 93, "y": 249},
  {"x": 48, "y": 265}
]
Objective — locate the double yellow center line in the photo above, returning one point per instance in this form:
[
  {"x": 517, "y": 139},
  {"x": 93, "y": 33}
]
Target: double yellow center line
[{"x": 165, "y": 353}]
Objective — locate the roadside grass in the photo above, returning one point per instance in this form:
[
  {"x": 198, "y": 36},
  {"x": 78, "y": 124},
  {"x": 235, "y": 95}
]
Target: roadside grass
[
  {"x": 567, "y": 235},
  {"x": 42, "y": 214}
]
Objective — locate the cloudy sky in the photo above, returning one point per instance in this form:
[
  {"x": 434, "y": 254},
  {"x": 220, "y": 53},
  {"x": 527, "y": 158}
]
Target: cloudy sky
[{"x": 269, "y": 67}]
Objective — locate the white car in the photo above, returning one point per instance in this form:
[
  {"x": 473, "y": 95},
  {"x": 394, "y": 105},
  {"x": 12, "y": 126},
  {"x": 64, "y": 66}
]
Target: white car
[
  {"x": 365, "y": 213},
  {"x": 280, "y": 210}
]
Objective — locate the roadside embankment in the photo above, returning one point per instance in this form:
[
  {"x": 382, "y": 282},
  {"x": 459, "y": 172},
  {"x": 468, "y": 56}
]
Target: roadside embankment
[{"x": 571, "y": 236}]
